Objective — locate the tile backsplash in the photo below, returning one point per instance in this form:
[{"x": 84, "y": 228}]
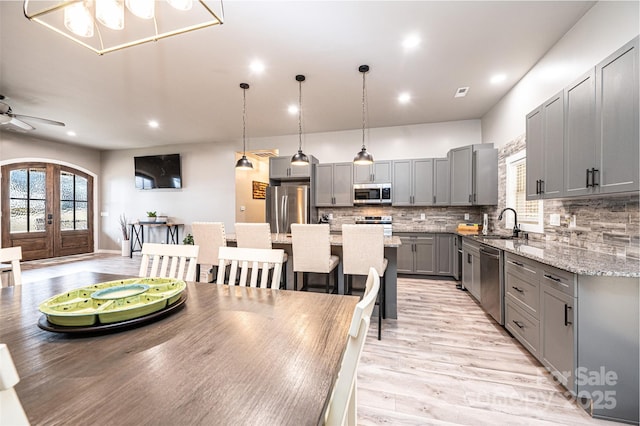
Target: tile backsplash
[{"x": 608, "y": 224}]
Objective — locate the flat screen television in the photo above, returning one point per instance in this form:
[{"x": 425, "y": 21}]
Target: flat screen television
[{"x": 158, "y": 171}]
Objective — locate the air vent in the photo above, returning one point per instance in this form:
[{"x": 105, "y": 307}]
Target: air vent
[{"x": 461, "y": 92}]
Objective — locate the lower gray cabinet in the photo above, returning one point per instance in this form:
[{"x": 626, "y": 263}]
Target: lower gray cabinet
[
  {"x": 426, "y": 254},
  {"x": 471, "y": 268},
  {"x": 557, "y": 331}
]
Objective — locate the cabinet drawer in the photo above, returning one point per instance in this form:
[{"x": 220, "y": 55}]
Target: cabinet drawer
[
  {"x": 471, "y": 247},
  {"x": 524, "y": 327},
  {"x": 525, "y": 293},
  {"x": 521, "y": 267},
  {"x": 559, "y": 279}
]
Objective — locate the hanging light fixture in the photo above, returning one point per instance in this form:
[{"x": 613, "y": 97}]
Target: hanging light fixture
[
  {"x": 363, "y": 157},
  {"x": 244, "y": 163},
  {"x": 99, "y": 25},
  {"x": 299, "y": 159}
]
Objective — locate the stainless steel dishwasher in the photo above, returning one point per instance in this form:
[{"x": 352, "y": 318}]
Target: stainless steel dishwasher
[{"x": 491, "y": 282}]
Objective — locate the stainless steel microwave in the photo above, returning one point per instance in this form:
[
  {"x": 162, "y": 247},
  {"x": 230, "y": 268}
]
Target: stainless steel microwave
[{"x": 372, "y": 193}]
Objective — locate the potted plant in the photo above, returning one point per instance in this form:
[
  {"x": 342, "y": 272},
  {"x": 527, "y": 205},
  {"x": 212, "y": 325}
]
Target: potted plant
[
  {"x": 151, "y": 216},
  {"x": 125, "y": 246},
  {"x": 188, "y": 240}
]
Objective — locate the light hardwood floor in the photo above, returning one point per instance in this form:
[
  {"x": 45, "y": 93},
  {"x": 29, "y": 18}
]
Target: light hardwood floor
[{"x": 442, "y": 362}]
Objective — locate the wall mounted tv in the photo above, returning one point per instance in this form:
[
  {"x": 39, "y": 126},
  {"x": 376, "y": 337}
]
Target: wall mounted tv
[{"x": 158, "y": 171}]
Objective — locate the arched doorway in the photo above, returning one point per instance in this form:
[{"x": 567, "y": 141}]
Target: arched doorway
[{"x": 47, "y": 209}]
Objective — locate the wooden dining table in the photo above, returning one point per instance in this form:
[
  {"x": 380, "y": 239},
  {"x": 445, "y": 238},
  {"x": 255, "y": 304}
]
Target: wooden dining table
[{"x": 229, "y": 355}]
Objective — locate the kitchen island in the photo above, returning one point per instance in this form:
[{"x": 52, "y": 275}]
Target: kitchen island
[{"x": 391, "y": 244}]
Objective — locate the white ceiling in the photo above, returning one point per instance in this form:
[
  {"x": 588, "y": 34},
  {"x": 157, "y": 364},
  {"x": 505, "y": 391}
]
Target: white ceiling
[{"x": 190, "y": 83}]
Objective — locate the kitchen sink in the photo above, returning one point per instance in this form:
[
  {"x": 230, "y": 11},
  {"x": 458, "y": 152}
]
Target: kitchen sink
[{"x": 496, "y": 237}]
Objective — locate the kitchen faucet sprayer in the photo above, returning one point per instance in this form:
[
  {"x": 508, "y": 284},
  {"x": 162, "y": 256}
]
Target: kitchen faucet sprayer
[{"x": 516, "y": 228}]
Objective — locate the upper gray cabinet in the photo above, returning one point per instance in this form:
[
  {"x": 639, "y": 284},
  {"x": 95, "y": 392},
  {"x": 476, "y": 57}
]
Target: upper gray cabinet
[
  {"x": 378, "y": 172},
  {"x": 617, "y": 144},
  {"x": 280, "y": 168},
  {"x": 441, "y": 182},
  {"x": 585, "y": 141},
  {"x": 334, "y": 187},
  {"x": 474, "y": 175},
  {"x": 545, "y": 136},
  {"x": 580, "y": 171},
  {"x": 413, "y": 182}
]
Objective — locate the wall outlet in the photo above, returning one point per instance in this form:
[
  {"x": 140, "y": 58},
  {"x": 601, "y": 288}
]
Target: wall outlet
[
  {"x": 572, "y": 221},
  {"x": 330, "y": 216},
  {"x": 242, "y": 208},
  {"x": 104, "y": 214},
  {"x": 422, "y": 216},
  {"x": 554, "y": 219},
  {"x": 466, "y": 216}
]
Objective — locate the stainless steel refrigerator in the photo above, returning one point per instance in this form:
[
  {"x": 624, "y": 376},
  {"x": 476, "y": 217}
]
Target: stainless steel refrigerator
[{"x": 287, "y": 204}]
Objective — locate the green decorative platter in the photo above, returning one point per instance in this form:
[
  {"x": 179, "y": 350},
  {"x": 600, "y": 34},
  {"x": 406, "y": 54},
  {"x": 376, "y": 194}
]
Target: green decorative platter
[{"x": 131, "y": 298}]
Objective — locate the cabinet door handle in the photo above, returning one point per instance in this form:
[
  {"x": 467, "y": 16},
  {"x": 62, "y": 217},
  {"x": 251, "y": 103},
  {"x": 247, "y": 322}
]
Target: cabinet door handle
[
  {"x": 589, "y": 172},
  {"x": 541, "y": 186},
  {"x": 518, "y": 264},
  {"x": 468, "y": 257},
  {"x": 537, "y": 186},
  {"x": 593, "y": 177},
  {"x": 551, "y": 277},
  {"x": 434, "y": 199},
  {"x": 469, "y": 197},
  {"x": 518, "y": 324},
  {"x": 567, "y": 308},
  {"x": 519, "y": 290}
]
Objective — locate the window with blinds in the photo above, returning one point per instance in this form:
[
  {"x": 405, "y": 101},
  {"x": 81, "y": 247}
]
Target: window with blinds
[{"x": 530, "y": 216}]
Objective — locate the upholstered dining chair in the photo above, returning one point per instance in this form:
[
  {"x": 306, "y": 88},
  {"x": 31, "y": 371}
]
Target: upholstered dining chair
[
  {"x": 169, "y": 261},
  {"x": 258, "y": 236},
  {"x": 11, "y": 411},
  {"x": 341, "y": 409},
  {"x": 209, "y": 236},
  {"x": 12, "y": 256},
  {"x": 260, "y": 261},
  {"x": 311, "y": 247},
  {"x": 363, "y": 248}
]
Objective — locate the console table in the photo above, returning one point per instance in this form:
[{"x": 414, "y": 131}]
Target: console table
[{"x": 137, "y": 234}]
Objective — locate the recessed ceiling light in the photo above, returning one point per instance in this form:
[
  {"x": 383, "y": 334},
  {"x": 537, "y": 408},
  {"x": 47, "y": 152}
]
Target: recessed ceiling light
[
  {"x": 71, "y": 133},
  {"x": 411, "y": 41},
  {"x": 498, "y": 78},
  {"x": 461, "y": 92},
  {"x": 153, "y": 124},
  {"x": 256, "y": 66},
  {"x": 404, "y": 98},
  {"x": 293, "y": 109}
]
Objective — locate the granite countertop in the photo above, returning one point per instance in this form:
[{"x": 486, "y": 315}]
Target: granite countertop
[
  {"x": 336, "y": 240},
  {"x": 572, "y": 259}
]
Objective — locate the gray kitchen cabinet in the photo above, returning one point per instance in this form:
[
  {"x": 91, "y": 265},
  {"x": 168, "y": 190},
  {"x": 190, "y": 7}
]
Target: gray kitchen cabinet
[
  {"x": 280, "y": 168},
  {"x": 557, "y": 332},
  {"x": 413, "y": 182},
  {"x": 580, "y": 137},
  {"x": 334, "y": 187},
  {"x": 444, "y": 254},
  {"x": 617, "y": 113},
  {"x": 471, "y": 268},
  {"x": 457, "y": 257},
  {"x": 441, "y": 182},
  {"x": 416, "y": 255},
  {"x": 545, "y": 138},
  {"x": 378, "y": 172},
  {"x": 474, "y": 175}
]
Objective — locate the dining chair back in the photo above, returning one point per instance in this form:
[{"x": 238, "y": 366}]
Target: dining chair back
[
  {"x": 12, "y": 256},
  {"x": 259, "y": 261},
  {"x": 311, "y": 245},
  {"x": 257, "y": 236},
  {"x": 169, "y": 261},
  {"x": 363, "y": 248},
  {"x": 341, "y": 409},
  {"x": 210, "y": 236},
  {"x": 11, "y": 411}
]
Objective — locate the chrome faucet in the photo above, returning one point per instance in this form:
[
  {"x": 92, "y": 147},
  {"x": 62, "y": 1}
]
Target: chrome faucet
[{"x": 516, "y": 228}]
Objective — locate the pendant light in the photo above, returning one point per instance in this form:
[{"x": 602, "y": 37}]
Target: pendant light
[
  {"x": 363, "y": 157},
  {"x": 300, "y": 159},
  {"x": 244, "y": 163}
]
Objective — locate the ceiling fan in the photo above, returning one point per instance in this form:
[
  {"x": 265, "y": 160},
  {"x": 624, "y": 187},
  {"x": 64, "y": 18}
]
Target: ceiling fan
[{"x": 7, "y": 117}]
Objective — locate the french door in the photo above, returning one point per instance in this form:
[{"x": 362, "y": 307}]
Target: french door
[{"x": 47, "y": 209}]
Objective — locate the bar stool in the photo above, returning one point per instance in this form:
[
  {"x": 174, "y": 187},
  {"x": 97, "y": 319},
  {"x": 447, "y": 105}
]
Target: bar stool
[
  {"x": 311, "y": 247},
  {"x": 210, "y": 237},
  {"x": 363, "y": 248},
  {"x": 258, "y": 235}
]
